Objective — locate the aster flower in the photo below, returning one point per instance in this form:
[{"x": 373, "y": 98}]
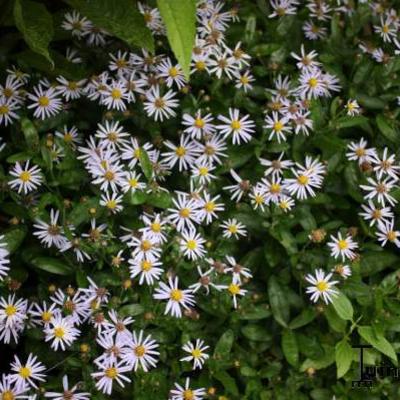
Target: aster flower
[
  {"x": 148, "y": 270},
  {"x": 68, "y": 393},
  {"x": 241, "y": 128},
  {"x": 321, "y": 286},
  {"x": 110, "y": 373},
  {"x": 196, "y": 353},
  {"x": 27, "y": 373},
  {"x": 386, "y": 232},
  {"x": 61, "y": 331},
  {"x": 191, "y": 244},
  {"x": 45, "y": 102},
  {"x": 50, "y": 234},
  {"x": 185, "y": 393},
  {"x": 160, "y": 107},
  {"x": 342, "y": 247},
  {"x": 26, "y": 179},
  {"x": 176, "y": 297},
  {"x": 232, "y": 227}
]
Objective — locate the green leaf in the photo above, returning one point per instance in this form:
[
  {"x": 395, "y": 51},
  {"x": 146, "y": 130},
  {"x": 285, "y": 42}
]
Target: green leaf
[
  {"x": 342, "y": 306},
  {"x": 387, "y": 130},
  {"x": 343, "y": 357},
  {"x": 119, "y": 17},
  {"x": 289, "y": 347},
  {"x": 14, "y": 237},
  {"x": 228, "y": 382},
  {"x": 52, "y": 265},
  {"x": 179, "y": 17},
  {"x": 373, "y": 262},
  {"x": 30, "y": 133},
  {"x": 324, "y": 361},
  {"x": 349, "y": 122},
  {"x": 278, "y": 302},
  {"x": 224, "y": 345},
  {"x": 145, "y": 163},
  {"x": 130, "y": 310},
  {"x": 160, "y": 199},
  {"x": 306, "y": 316},
  {"x": 36, "y": 25},
  {"x": 256, "y": 333},
  {"x": 378, "y": 341}
]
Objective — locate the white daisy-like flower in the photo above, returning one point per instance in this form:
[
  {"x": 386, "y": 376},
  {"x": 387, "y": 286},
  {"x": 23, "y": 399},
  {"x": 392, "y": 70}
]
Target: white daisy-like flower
[
  {"x": 160, "y": 107},
  {"x": 238, "y": 271},
  {"x": 196, "y": 352},
  {"x": 198, "y": 126},
  {"x": 50, "y": 234},
  {"x": 185, "y": 154},
  {"x": 342, "y": 247},
  {"x": 140, "y": 351},
  {"x": 115, "y": 96},
  {"x": 208, "y": 207},
  {"x": 234, "y": 289},
  {"x": 278, "y": 125},
  {"x": 359, "y": 152},
  {"x": 232, "y": 227},
  {"x": 386, "y": 165},
  {"x": 191, "y": 244},
  {"x": 147, "y": 270},
  {"x": 380, "y": 190},
  {"x": 343, "y": 270},
  {"x": 8, "y": 108},
  {"x": 352, "y": 108},
  {"x": 321, "y": 286},
  {"x": 244, "y": 80},
  {"x": 202, "y": 172},
  {"x": 176, "y": 297},
  {"x": 112, "y": 134},
  {"x": 172, "y": 74},
  {"x": 386, "y": 232},
  {"x": 277, "y": 166},
  {"x": 239, "y": 189},
  {"x": 26, "y": 179},
  {"x": 241, "y": 128},
  {"x": 306, "y": 60},
  {"x": 110, "y": 373},
  {"x": 68, "y": 393},
  {"x": 131, "y": 183},
  {"x": 185, "y": 213},
  {"x": 27, "y": 373},
  {"x": 61, "y": 331},
  {"x": 4, "y": 258},
  {"x": 69, "y": 136},
  {"x": 45, "y": 102},
  {"x": 112, "y": 202},
  {"x": 10, "y": 391},
  {"x": 71, "y": 90},
  {"x": 186, "y": 393},
  {"x": 75, "y": 23},
  {"x": 374, "y": 214}
]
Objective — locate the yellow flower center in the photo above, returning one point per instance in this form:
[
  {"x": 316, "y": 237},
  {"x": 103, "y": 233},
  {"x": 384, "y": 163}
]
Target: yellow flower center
[
  {"x": 10, "y": 310},
  {"x": 278, "y": 126},
  {"x": 391, "y": 235},
  {"x": 7, "y": 395},
  {"x": 111, "y": 204},
  {"x": 4, "y": 109},
  {"x": 146, "y": 265},
  {"x": 244, "y": 80},
  {"x": 46, "y": 316},
  {"x": 24, "y": 372},
  {"x": 173, "y": 72},
  {"x": 176, "y": 295},
  {"x": 137, "y": 153},
  {"x": 140, "y": 351},
  {"x": 133, "y": 182},
  {"x": 43, "y": 101},
  {"x": 146, "y": 245},
  {"x": 303, "y": 180},
  {"x": 191, "y": 244},
  {"x": 112, "y": 136},
  {"x": 203, "y": 171},
  {"x": 233, "y": 289},
  {"x": 235, "y": 125},
  {"x": 8, "y": 92},
  {"x": 360, "y": 152},
  {"x": 199, "y": 123},
  {"x": 313, "y": 82},
  {"x": 259, "y": 199},
  {"x": 109, "y": 175},
  {"x": 343, "y": 244},
  {"x": 72, "y": 85},
  {"x": 121, "y": 63},
  {"x": 188, "y": 394},
  {"x": 116, "y": 94},
  {"x": 155, "y": 227},
  {"x": 232, "y": 228},
  {"x": 210, "y": 206},
  {"x": 385, "y": 28},
  {"x": 180, "y": 151},
  {"x": 275, "y": 188},
  {"x": 68, "y": 137},
  {"x": 184, "y": 213},
  {"x": 59, "y": 333},
  {"x": 196, "y": 353},
  {"x": 200, "y": 65},
  {"x": 111, "y": 373},
  {"x": 322, "y": 286},
  {"x": 159, "y": 103}
]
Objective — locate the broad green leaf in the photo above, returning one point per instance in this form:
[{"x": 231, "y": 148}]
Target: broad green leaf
[
  {"x": 160, "y": 199},
  {"x": 52, "y": 265},
  {"x": 343, "y": 357},
  {"x": 130, "y": 310},
  {"x": 373, "y": 262},
  {"x": 278, "y": 301},
  {"x": 145, "y": 163},
  {"x": 36, "y": 25},
  {"x": 119, "y": 17},
  {"x": 334, "y": 321},
  {"x": 290, "y": 347},
  {"x": 349, "y": 122},
  {"x": 377, "y": 341},
  {"x": 14, "y": 237},
  {"x": 256, "y": 333},
  {"x": 342, "y": 306},
  {"x": 306, "y": 316},
  {"x": 224, "y": 345},
  {"x": 254, "y": 312},
  {"x": 387, "y": 130},
  {"x": 228, "y": 382},
  {"x": 30, "y": 133},
  {"x": 179, "y": 17},
  {"x": 324, "y": 361}
]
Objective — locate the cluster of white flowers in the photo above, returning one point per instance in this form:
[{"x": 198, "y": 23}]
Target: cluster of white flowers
[{"x": 61, "y": 322}]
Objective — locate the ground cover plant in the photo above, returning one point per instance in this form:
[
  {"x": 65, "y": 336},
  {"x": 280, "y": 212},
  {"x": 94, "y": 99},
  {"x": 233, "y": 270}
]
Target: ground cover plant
[{"x": 198, "y": 199}]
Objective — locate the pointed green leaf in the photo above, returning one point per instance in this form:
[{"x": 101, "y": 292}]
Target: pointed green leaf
[
  {"x": 342, "y": 306},
  {"x": 52, "y": 265},
  {"x": 145, "y": 163},
  {"x": 278, "y": 301},
  {"x": 290, "y": 347},
  {"x": 179, "y": 17},
  {"x": 36, "y": 25},
  {"x": 343, "y": 356}
]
